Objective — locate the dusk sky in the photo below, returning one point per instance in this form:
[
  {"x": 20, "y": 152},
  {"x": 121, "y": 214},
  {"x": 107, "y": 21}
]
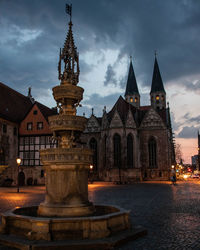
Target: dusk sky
[{"x": 107, "y": 33}]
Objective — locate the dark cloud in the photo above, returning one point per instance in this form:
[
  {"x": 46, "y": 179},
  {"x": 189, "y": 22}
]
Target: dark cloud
[
  {"x": 188, "y": 119},
  {"x": 135, "y": 28},
  {"x": 188, "y": 132},
  {"x": 110, "y": 77},
  {"x": 98, "y": 103}
]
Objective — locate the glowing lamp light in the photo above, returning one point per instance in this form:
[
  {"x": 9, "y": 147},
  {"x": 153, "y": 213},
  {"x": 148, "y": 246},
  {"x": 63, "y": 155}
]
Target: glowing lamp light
[
  {"x": 131, "y": 99},
  {"x": 172, "y": 166},
  {"x": 185, "y": 176},
  {"x": 18, "y": 160},
  {"x": 157, "y": 97},
  {"x": 91, "y": 167}
]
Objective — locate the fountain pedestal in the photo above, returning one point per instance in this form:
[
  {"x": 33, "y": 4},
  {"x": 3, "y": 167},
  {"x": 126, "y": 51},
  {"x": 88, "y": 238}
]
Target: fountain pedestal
[{"x": 66, "y": 183}]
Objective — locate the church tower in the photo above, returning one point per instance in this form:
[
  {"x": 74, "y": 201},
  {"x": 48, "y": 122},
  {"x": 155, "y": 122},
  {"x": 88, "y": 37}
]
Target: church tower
[
  {"x": 158, "y": 94},
  {"x": 132, "y": 95}
]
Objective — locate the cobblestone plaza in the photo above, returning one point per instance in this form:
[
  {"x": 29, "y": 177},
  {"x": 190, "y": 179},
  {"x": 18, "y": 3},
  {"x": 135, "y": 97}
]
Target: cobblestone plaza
[{"x": 169, "y": 213}]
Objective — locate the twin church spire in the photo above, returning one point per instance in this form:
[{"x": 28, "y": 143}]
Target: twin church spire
[
  {"x": 157, "y": 94},
  {"x": 132, "y": 94}
]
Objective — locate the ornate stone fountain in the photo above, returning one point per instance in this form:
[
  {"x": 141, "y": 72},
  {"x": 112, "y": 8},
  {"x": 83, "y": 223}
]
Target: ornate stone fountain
[
  {"x": 67, "y": 166},
  {"x": 66, "y": 214}
]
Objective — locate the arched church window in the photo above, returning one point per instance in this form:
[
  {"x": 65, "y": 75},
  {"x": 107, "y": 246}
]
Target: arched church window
[
  {"x": 131, "y": 99},
  {"x": 117, "y": 150},
  {"x": 104, "y": 149},
  {"x": 152, "y": 153},
  {"x": 129, "y": 151},
  {"x": 93, "y": 146},
  {"x": 2, "y": 156}
]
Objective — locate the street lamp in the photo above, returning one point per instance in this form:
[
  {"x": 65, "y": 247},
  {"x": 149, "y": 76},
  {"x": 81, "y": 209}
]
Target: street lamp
[
  {"x": 90, "y": 173},
  {"x": 18, "y": 160}
]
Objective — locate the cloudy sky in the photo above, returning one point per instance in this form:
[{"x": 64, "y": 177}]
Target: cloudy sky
[{"x": 106, "y": 33}]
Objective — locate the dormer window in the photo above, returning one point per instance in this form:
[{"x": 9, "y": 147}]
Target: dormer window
[
  {"x": 131, "y": 99},
  {"x": 40, "y": 125},
  {"x": 29, "y": 126}
]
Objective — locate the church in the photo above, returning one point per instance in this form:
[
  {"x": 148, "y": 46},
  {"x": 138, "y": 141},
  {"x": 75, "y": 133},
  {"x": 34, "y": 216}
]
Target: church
[{"x": 133, "y": 142}]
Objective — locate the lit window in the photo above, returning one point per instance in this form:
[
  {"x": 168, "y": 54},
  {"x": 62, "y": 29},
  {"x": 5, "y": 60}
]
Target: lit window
[
  {"x": 131, "y": 99},
  {"x": 40, "y": 125},
  {"x": 136, "y": 99},
  {"x": 157, "y": 97},
  {"x": 29, "y": 126}
]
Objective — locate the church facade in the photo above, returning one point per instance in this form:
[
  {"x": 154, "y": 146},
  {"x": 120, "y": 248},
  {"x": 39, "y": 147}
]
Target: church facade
[{"x": 133, "y": 142}]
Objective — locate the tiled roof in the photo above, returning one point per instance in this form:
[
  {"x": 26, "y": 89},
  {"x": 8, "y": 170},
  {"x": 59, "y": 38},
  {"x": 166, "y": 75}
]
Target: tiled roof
[
  {"x": 123, "y": 107},
  {"x": 15, "y": 106},
  {"x": 46, "y": 111}
]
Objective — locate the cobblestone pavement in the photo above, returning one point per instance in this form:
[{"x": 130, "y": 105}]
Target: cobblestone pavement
[{"x": 171, "y": 214}]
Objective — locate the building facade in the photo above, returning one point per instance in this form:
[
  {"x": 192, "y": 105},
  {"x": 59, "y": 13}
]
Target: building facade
[
  {"x": 133, "y": 142},
  {"x": 24, "y": 130}
]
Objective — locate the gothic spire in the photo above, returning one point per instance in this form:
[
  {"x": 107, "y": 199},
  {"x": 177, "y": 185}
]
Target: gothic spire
[
  {"x": 70, "y": 58},
  {"x": 131, "y": 86},
  {"x": 157, "y": 83}
]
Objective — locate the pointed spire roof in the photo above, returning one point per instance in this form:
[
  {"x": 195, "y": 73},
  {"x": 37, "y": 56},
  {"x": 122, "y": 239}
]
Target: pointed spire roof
[
  {"x": 157, "y": 83},
  {"x": 69, "y": 56},
  {"x": 131, "y": 86}
]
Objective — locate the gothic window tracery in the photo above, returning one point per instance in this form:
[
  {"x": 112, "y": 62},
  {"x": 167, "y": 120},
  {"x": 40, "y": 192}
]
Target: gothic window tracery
[
  {"x": 129, "y": 151},
  {"x": 93, "y": 146},
  {"x": 152, "y": 153},
  {"x": 117, "y": 150}
]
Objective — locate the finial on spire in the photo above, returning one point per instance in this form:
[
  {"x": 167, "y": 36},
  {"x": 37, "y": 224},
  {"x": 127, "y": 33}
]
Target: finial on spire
[
  {"x": 69, "y": 11},
  {"x": 29, "y": 92},
  {"x": 69, "y": 57},
  {"x": 92, "y": 111}
]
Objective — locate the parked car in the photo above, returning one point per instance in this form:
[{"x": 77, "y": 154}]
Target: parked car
[{"x": 194, "y": 176}]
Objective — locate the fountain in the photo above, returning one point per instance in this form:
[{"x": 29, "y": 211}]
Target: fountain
[{"x": 66, "y": 214}]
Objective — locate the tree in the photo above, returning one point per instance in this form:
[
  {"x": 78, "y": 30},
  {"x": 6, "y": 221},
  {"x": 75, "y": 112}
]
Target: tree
[{"x": 178, "y": 153}]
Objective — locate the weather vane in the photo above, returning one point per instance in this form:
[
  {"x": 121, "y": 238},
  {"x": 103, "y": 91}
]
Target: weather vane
[{"x": 69, "y": 10}]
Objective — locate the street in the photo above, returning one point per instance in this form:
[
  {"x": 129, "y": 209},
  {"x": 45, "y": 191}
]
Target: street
[{"x": 171, "y": 214}]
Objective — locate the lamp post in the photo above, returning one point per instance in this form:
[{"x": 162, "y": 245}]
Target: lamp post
[
  {"x": 91, "y": 169},
  {"x": 18, "y": 160}
]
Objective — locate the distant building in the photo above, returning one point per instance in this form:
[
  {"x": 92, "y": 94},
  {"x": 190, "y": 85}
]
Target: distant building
[
  {"x": 24, "y": 130},
  {"x": 194, "y": 159},
  {"x": 133, "y": 142}
]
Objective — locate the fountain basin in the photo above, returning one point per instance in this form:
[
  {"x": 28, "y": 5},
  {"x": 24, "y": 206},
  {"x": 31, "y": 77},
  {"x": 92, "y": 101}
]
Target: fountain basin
[{"x": 105, "y": 222}]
